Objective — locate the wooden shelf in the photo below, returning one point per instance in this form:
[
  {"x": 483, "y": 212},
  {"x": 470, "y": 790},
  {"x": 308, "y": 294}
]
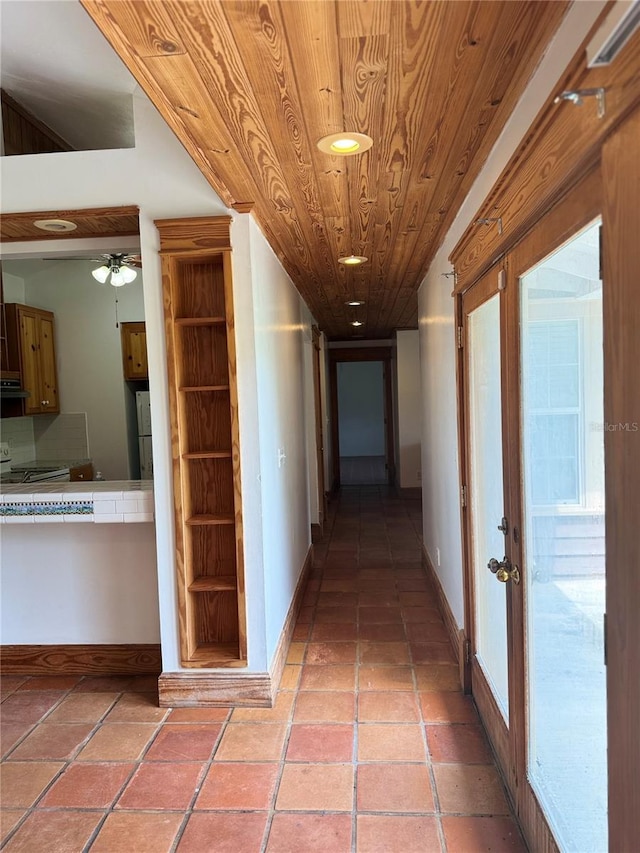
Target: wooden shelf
[
  {"x": 199, "y": 321},
  {"x": 209, "y": 655},
  {"x": 189, "y": 388},
  {"x": 201, "y": 362},
  {"x": 208, "y": 454},
  {"x": 224, "y": 583},
  {"x": 198, "y": 520}
]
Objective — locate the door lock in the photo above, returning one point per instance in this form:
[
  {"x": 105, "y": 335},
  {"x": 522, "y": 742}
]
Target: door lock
[{"x": 503, "y": 570}]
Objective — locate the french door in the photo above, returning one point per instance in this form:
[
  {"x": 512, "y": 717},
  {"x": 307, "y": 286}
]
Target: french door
[{"x": 535, "y": 521}]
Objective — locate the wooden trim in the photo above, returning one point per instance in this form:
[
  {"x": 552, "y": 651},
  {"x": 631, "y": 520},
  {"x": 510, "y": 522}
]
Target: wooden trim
[
  {"x": 335, "y": 428},
  {"x": 235, "y": 451},
  {"x": 492, "y": 719},
  {"x": 76, "y": 213},
  {"x": 251, "y": 689},
  {"x": 357, "y": 354},
  {"x": 561, "y": 145},
  {"x": 621, "y": 262},
  {"x": 70, "y": 659},
  {"x": 463, "y": 477},
  {"x": 319, "y": 425},
  {"x": 457, "y": 636},
  {"x": 213, "y": 689},
  {"x": 243, "y": 206},
  {"x": 360, "y": 354},
  {"x": 198, "y": 233},
  {"x": 282, "y": 650},
  {"x": 387, "y": 367},
  {"x": 484, "y": 289}
]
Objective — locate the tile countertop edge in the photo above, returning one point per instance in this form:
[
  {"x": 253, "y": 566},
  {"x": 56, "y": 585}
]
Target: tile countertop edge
[{"x": 104, "y": 501}]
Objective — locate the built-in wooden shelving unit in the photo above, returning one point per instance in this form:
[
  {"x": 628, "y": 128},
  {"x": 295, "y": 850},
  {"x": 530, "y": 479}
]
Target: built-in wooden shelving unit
[{"x": 198, "y": 300}]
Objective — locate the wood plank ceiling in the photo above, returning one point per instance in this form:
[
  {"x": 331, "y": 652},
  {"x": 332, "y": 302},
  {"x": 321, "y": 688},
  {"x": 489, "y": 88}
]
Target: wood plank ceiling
[
  {"x": 249, "y": 86},
  {"x": 95, "y": 222}
]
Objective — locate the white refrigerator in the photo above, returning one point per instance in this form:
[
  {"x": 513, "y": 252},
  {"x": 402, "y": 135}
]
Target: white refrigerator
[{"x": 143, "y": 410}]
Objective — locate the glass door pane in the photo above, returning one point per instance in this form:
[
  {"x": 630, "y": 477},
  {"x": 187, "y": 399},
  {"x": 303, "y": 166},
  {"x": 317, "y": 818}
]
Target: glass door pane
[
  {"x": 564, "y": 547},
  {"x": 486, "y": 495}
]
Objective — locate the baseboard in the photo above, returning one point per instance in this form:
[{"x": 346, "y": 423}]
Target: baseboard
[
  {"x": 282, "y": 650},
  {"x": 210, "y": 689},
  {"x": 68, "y": 659},
  {"x": 457, "y": 636},
  {"x": 251, "y": 689}
]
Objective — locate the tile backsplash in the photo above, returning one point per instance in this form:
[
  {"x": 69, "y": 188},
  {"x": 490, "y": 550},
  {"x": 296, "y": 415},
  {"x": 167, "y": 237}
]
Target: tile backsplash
[
  {"x": 46, "y": 437},
  {"x": 18, "y": 432}
]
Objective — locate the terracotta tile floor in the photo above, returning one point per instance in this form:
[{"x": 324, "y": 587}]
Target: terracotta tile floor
[{"x": 370, "y": 746}]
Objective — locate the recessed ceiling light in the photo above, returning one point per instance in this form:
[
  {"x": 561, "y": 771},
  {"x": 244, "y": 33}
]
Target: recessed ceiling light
[
  {"x": 352, "y": 260},
  {"x": 58, "y": 225},
  {"x": 356, "y": 323},
  {"x": 354, "y": 303},
  {"x": 345, "y": 144}
]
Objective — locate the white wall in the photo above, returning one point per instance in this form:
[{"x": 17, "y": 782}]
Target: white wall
[
  {"x": 12, "y": 287},
  {"x": 440, "y": 491},
  {"x": 361, "y": 408},
  {"x": 409, "y": 463},
  {"x": 78, "y": 583},
  {"x": 281, "y": 328},
  {"x": 88, "y": 351},
  {"x": 159, "y": 177}
]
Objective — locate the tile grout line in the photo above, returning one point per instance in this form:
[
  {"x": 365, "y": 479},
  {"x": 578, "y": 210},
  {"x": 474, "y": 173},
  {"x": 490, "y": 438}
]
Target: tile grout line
[{"x": 66, "y": 762}]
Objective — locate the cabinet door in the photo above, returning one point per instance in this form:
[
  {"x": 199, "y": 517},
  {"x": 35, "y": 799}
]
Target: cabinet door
[
  {"x": 134, "y": 351},
  {"x": 48, "y": 376},
  {"x": 30, "y": 360}
]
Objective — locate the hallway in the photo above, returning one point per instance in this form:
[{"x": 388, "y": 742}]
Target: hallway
[{"x": 371, "y": 747}]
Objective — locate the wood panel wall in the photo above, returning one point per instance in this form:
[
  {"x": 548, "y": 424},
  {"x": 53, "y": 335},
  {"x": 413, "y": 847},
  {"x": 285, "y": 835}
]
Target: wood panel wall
[{"x": 25, "y": 134}]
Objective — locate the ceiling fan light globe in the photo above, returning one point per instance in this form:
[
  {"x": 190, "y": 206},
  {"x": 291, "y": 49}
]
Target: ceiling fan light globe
[
  {"x": 117, "y": 278},
  {"x": 128, "y": 274},
  {"x": 101, "y": 274}
]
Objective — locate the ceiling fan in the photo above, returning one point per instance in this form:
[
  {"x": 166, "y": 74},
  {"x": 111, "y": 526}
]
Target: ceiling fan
[{"x": 117, "y": 267}]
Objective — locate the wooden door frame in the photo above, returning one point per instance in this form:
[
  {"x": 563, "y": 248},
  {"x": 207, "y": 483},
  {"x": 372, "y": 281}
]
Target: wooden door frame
[
  {"x": 319, "y": 424},
  {"x": 485, "y": 288},
  {"x": 573, "y": 211},
  {"x": 569, "y": 215},
  {"x": 346, "y": 354}
]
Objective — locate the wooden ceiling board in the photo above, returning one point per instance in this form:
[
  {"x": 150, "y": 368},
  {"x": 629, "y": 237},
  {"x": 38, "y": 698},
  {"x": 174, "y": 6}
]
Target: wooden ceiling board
[
  {"x": 249, "y": 86},
  {"x": 93, "y": 222}
]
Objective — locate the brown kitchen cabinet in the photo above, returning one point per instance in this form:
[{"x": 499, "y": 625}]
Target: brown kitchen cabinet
[
  {"x": 198, "y": 302},
  {"x": 31, "y": 346},
  {"x": 134, "y": 351}
]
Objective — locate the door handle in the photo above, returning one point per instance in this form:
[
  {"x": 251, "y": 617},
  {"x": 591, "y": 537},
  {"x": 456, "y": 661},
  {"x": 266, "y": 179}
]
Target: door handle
[{"x": 503, "y": 570}]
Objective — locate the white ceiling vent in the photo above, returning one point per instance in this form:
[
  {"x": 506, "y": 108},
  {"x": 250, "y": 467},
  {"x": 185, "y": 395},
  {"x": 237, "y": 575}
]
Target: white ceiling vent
[{"x": 619, "y": 26}]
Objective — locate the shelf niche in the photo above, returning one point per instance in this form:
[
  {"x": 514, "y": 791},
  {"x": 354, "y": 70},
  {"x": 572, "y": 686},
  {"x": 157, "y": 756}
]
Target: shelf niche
[{"x": 199, "y": 321}]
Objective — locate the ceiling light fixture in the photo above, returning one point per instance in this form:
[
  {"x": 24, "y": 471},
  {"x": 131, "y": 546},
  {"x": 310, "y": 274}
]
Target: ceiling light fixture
[
  {"x": 58, "y": 225},
  {"x": 356, "y": 323},
  {"x": 117, "y": 268},
  {"x": 345, "y": 144},
  {"x": 352, "y": 260},
  {"x": 354, "y": 303}
]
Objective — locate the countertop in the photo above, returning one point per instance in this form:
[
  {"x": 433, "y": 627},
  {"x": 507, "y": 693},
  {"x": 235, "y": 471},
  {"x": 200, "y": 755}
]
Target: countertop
[{"x": 99, "y": 501}]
